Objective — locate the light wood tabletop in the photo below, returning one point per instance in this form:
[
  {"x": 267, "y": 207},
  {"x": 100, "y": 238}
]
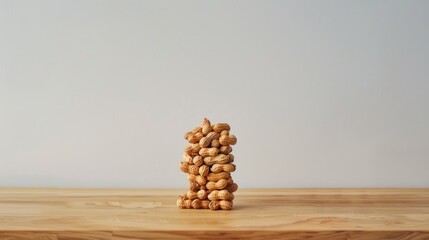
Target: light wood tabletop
[{"x": 125, "y": 214}]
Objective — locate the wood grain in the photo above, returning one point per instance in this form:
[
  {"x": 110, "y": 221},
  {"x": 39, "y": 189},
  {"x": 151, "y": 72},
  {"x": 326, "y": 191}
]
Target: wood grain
[{"x": 126, "y": 214}]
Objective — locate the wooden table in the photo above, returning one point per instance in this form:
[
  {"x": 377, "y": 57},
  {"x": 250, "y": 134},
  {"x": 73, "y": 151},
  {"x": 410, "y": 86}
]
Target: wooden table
[{"x": 258, "y": 214}]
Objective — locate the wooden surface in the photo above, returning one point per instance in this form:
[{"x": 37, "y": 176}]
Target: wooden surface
[{"x": 270, "y": 213}]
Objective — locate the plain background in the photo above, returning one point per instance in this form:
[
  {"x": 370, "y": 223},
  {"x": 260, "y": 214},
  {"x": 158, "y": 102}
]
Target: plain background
[{"x": 319, "y": 93}]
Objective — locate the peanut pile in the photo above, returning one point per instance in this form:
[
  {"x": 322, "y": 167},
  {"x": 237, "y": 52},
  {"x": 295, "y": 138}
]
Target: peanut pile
[{"x": 208, "y": 163}]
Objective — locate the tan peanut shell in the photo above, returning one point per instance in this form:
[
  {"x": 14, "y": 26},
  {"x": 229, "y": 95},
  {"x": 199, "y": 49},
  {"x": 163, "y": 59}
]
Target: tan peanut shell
[
  {"x": 221, "y": 184},
  {"x": 192, "y": 177},
  {"x": 215, "y": 143},
  {"x": 214, "y": 205},
  {"x": 202, "y": 194},
  {"x": 184, "y": 167},
  {"x": 194, "y": 137},
  {"x": 194, "y": 148},
  {"x": 196, "y": 130},
  {"x": 205, "y": 152},
  {"x": 221, "y": 158},
  {"x": 193, "y": 186},
  {"x": 206, "y": 141},
  {"x": 220, "y": 195},
  {"x": 187, "y": 158},
  {"x": 232, "y": 140},
  {"x": 196, "y": 204},
  {"x": 205, "y": 204},
  {"x": 226, "y": 140},
  {"x": 193, "y": 169},
  {"x": 187, "y": 203},
  {"x": 206, "y": 128},
  {"x": 204, "y": 170},
  {"x": 225, "y": 149},
  {"x": 216, "y": 168},
  {"x": 223, "y": 140},
  {"x": 198, "y": 160},
  {"x": 191, "y": 195},
  {"x": 220, "y": 127},
  {"x": 225, "y": 205},
  {"x": 232, "y": 188},
  {"x": 218, "y": 176},
  {"x": 187, "y": 135},
  {"x": 200, "y": 180}
]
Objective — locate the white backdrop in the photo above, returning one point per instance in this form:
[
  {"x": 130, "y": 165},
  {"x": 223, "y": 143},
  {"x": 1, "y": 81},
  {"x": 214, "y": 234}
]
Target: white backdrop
[{"x": 319, "y": 93}]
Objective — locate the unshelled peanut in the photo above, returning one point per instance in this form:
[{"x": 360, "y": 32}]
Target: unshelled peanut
[
  {"x": 206, "y": 128},
  {"x": 221, "y": 158},
  {"x": 216, "y": 168},
  {"x": 221, "y": 184},
  {"x": 205, "y": 152},
  {"x": 220, "y": 127}
]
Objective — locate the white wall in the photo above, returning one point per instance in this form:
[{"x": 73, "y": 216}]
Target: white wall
[{"x": 319, "y": 93}]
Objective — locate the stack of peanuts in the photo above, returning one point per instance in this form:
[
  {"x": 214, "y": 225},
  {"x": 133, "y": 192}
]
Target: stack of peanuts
[{"x": 208, "y": 163}]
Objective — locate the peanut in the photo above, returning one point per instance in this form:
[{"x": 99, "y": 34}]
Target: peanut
[
  {"x": 195, "y": 138},
  {"x": 225, "y": 205},
  {"x": 214, "y": 205},
  {"x": 191, "y": 135},
  {"x": 226, "y": 140},
  {"x": 191, "y": 195},
  {"x": 221, "y": 184},
  {"x": 232, "y": 140},
  {"x": 192, "y": 177},
  {"x": 193, "y": 186},
  {"x": 224, "y": 132},
  {"x": 183, "y": 202},
  {"x": 205, "y": 204},
  {"x": 204, "y": 170},
  {"x": 200, "y": 180},
  {"x": 202, "y": 194},
  {"x": 187, "y": 158},
  {"x": 197, "y": 178},
  {"x": 184, "y": 167},
  {"x": 187, "y": 203},
  {"x": 187, "y": 168},
  {"x": 196, "y": 204},
  {"x": 218, "y": 176},
  {"x": 221, "y": 158},
  {"x": 223, "y": 140},
  {"x": 197, "y": 130},
  {"x": 206, "y": 128},
  {"x": 187, "y": 134},
  {"x": 215, "y": 143},
  {"x": 204, "y": 152},
  {"x": 220, "y": 127},
  {"x": 225, "y": 149},
  {"x": 216, "y": 168},
  {"x": 198, "y": 160},
  {"x": 193, "y": 148},
  {"x": 180, "y": 203},
  {"x": 205, "y": 141},
  {"x": 220, "y": 195},
  {"x": 193, "y": 169},
  {"x": 232, "y": 188}
]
